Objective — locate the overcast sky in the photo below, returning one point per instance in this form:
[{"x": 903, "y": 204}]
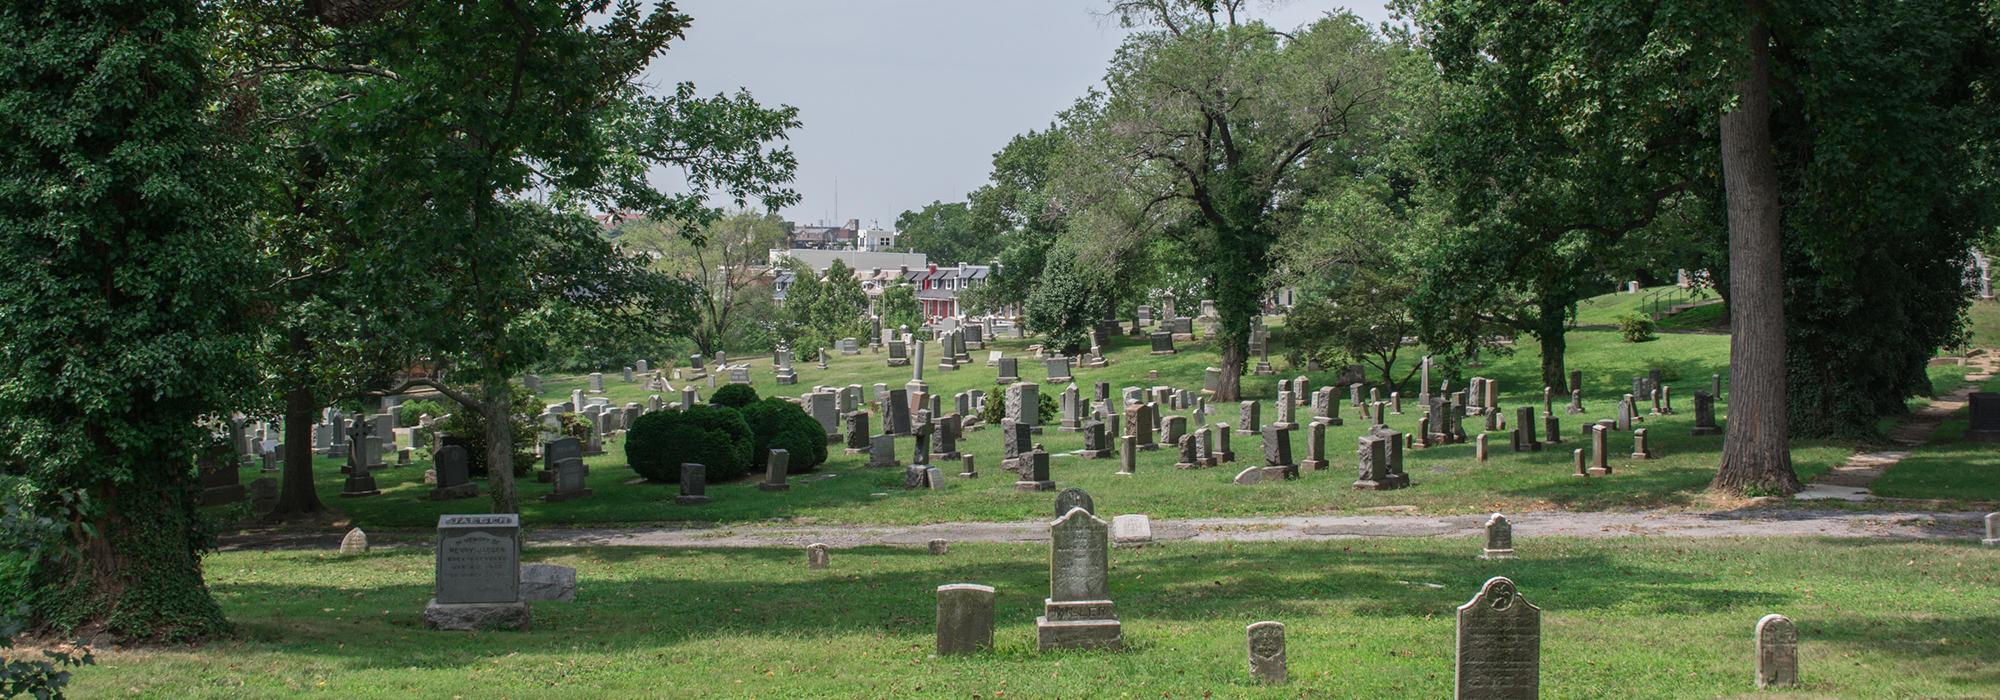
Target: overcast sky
[{"x": 905, "y": 101}]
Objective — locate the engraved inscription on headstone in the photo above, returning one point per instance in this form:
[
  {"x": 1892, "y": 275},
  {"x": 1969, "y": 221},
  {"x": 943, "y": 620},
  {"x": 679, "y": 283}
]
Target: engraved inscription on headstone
[{"x": 1499, "y": 644}]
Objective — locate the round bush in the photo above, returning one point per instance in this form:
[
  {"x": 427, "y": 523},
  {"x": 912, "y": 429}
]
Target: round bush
[
  {"x": 713, "y": 436},
  {"x": 733, "y": 396},
  {"x": 777, "y": 423}
]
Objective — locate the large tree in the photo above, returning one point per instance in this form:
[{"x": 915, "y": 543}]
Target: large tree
[
  {"x": 948, "y": 233},
  {"x": 1205, "y": 122},
  {"x": 1772, "y": 110},
  {"x": 120, "y": 228},
  {"x": 512, "y": 118},
  {"x": 723, "y": 260}
]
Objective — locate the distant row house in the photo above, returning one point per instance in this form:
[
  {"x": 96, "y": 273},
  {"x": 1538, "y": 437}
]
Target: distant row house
[
  {"x": 937, "y": 288},
  {"x": 848, "y": 237}
]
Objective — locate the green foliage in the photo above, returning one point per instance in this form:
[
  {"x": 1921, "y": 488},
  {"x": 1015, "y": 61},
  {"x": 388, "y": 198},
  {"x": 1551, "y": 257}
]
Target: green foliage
[
  {"x": 466, "y": 428},
  {"x": 1353, "y": 262},
  {"x": 125, "y": 304},
  {"x": 821, "y": 309},
  {"x": 1200, "y": 138},
  {"x": 899, "y": 308},
  {"x": 733, "y": 396},
  {"x": 1636, "y": 328},
  {"x": 948, "y": 234},
  {"x": 777, "y": 423},
  {"x": 713, "y": 436},
  {"x": 40, "y": 678},
  {"x": 996, "y": 406},
  {"x": 1066, "y": 304},
  {"x": 724, "y": 262},
  {"x": 409, "y": 412},
  {"x": 1884, "y": 137}
]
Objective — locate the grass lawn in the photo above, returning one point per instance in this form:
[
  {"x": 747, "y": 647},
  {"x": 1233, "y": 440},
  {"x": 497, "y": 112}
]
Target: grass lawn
[
  {"x": 1446, "y": 479},
  {"x": 1608, "y": 308},
  {"x": 1712, "y": 317},
  {"x": 1949, "y": 467},
  {"x": 1984, "y": 323},
  {"x": 1621, "y": 618}
]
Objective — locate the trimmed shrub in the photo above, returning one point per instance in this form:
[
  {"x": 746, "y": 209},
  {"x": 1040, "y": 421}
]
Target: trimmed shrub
[
  {"x": 996, "y": 406},
  {"x": 781, "y": 424},
  {"x": 733, "y": 396},
  {"x": 1636, "y": 328},
  {"x": 466, "y": 428},
  {"x": 712, "y": 436},
  {"x": 410, "y": 411}
]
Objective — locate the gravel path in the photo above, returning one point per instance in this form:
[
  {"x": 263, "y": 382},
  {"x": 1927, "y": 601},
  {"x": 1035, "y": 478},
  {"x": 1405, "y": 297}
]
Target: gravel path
[{"x": 1739, "y": 523}]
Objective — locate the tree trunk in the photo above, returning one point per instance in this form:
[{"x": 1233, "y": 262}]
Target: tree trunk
[
  {"x": 1552, "y": 334},
  {"x": 136, "y": 574},
  {"x": 1229, "y": 386},
  {"x": 297, "y": 494},
  {"x": 499, "y": 444},
  {"x": 1755, "y": 455}
]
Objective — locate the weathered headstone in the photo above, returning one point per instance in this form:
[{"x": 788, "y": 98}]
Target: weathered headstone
[
  {"x": 1704, "y": 415},
  {"x": 1163, "y": 343},
  {"x": 1315, "y": 447},
  {"x": 964, "y": 619},
  {"x": 569, "y": 481},
  {"x": 1499, "y": 645},
  {"x": 355, "y": 542},
  {"x": 1078, "y": 613},
  {"x": 548, "y": 582},
  {"x": 1499, "y": 538},
  {"x": 1777, "y": 652},
  {"x": 1992, "y": 530},
  {"x": 1131, "y": 529},
  {"x": 1074, "y": 498},
  {"x": 1267, "y": 652},
  {"x": 1600, "y": 451},
  {"x": 694, "y": 484},
  {"x": 776, "y": 467},
  {"x": 1036, "y": 476},
  {"x": 816, "y": 556}
]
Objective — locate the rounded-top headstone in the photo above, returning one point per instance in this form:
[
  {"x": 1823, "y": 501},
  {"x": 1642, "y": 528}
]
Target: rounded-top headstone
[
  {"x": 1777, "y": 652},
  {"x": 356, "y": 542},
  {"x": 1074, "y": 498}
]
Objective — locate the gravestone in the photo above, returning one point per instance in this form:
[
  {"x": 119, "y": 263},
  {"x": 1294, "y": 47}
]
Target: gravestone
[
  {"x": 816, "y": 556},
  {"x": 1096, "y": 441},
  {"x": 1600, "y": 449},
  {"x": 1326, "y": 406},
  {"x": 694, "y": 485},
  {"x": 1010, "y": 369},
  {"x": 570, "y": 475},
  {"x": 964, "y": 619},
  {"x": 1992, "y": 530},
  {"x": 478, "y": 574},
  {"x": 454, "y": 474},
  {"x": 1128, "y": 455},
  {"x": 1777, "y": 652},
  {"x": 1499, "y": 645},
  {"x": 776, "y": 467},
  {"x": 899, "y": 355},
  {"x": 548, "y": 582},
  {"x": 1640, "y": 448},
  {"x": 359, "y": 483},
  {"x": 882, "y": 451},
  {"x": 1248, "y": 417},
  {"x": 1189, "y": 452},
  {"x": 897, "y": 413},
  {"x": 1163, "y": 343},
  {"x": 1058, "y": 369},
  {"x": 221, "y": 482},
  {"x": 1222, "y": 452},
  {"x": 1278, "y": 452},
  {"x": 1499, "y": 538},
  {"x": 1074, "y": 498},
  {"x": 354, "y": 543},
  {"x": 1036, "y": 475},
  {"x": 857, "y": 433},
  {"x": 1131, "y": 529},
  {"x": 1704, "y": 415},
  {"x": 1524, "y": 430},
  {"x": 1267, "y": 652},
  {"x": 1078, "y": 614},
  {"x": 1315, "y": 448},
  {"x": 1024, "y": 404}
]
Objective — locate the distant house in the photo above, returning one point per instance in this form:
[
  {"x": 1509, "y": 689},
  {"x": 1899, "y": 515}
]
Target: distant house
[
  {"x": 868, "y": 266},
  {"x": 938, "y": 287},
  {"x": 825, "y": 237}
]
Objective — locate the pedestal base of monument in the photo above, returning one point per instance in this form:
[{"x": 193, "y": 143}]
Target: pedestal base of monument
[
  {"x": 1026, "y": 485},
  {"x": 359, "y": 486},
  {"x": 218, "y": 495},
  {"x": 852, "y": 451},
  {"x": 1718, "y": 431},
  {"x": 1079, "y": 625},
  {"x": 447, "y": 493},
  {"x": 1383, "y": 484},
  {"x": 691, "y": 500},
  {"x": 1281, "y": 472},
  {"x": 1264, "y": 370},
  {"x": 1313, "y": 465},
  {"x": 1497, "y": 554},
  {"x": 469, "y": 617},
  {"x": 560, "y": 496}
]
